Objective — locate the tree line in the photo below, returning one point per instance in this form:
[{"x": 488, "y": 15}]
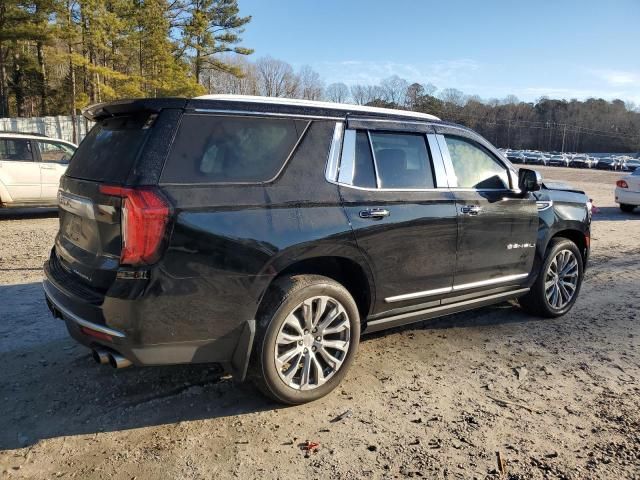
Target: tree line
[{"x": 58, "y": 56}]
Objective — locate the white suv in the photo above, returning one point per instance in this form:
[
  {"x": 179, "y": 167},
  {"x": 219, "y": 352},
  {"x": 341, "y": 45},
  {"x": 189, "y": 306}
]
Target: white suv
[{"x": 30, "y": 168}]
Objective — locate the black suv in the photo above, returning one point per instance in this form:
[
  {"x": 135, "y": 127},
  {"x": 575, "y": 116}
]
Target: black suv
[{"x": 267, "y": 235}]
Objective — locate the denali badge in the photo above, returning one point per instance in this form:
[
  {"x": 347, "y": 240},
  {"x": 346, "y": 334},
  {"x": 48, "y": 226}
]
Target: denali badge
[{"x": 512, "y": 246}]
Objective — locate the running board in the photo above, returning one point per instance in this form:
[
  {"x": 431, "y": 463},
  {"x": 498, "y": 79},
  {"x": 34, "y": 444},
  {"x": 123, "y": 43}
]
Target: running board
[{"x": 439, "y": 311}]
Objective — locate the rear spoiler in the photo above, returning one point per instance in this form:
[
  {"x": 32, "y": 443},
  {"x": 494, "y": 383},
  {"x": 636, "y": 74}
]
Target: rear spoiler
[{"x": 100, "y": 111}]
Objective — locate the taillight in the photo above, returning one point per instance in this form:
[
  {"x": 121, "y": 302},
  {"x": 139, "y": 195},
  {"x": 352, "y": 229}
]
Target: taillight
[
  {"x": 622, "y": 184},
  {"x": 145, "y": 214}
]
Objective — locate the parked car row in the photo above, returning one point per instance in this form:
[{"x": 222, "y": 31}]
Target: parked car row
[{"x": 576, "y": 160}]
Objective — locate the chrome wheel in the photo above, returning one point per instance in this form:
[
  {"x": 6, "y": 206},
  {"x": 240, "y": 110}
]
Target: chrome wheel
[
  {"x": 312, "y": 343},
  {"x": 561, "y": 279}
]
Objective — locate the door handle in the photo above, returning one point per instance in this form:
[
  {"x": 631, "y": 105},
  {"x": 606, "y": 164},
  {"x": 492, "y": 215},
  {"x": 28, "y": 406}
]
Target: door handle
[
  {"x": 471, "y": 209},
  {"x": 47, "y": 167},
  {"x": 374, "y": 213}
]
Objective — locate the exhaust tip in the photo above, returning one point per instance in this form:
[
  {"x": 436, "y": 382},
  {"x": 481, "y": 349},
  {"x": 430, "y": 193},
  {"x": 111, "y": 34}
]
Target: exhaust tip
[
  {"x": 100, "y": 356},
  {"x": 118, "y": 361}
]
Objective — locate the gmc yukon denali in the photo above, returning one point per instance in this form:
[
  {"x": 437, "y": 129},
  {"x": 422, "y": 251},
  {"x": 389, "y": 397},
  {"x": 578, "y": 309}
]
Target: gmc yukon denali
[{"x": 267, "y": 235}]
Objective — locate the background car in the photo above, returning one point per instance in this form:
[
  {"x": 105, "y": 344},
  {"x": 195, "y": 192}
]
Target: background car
[
  {"x": 608, "y": 163},
  {"x": 536, "y": 158},
  {"x": 631, "y": 165},
  {"x": 581, "y": 161},
  {"x": 30, "y": 168},
  {"x": 516, "y": 157},
  {"x": 628, "y": 192},
  {"x": 558, "y": 160}
]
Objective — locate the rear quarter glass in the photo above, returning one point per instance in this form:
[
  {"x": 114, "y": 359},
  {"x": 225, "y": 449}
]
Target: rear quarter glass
[
  {"x": 109, "y": 151},
  {"x": 227, "y": 149}
]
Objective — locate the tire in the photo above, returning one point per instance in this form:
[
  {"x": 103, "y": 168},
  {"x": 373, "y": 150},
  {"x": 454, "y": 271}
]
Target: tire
[
  {"x": 537, "y": 301},
  {"x": 625, "y": 207},
  {"x": 281, "y": 318}
]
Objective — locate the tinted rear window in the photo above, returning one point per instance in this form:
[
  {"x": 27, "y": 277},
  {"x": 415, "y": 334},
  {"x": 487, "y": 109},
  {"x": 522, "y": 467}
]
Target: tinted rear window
[
  {"x": 109, "y": 151},
  {"x": 222, "y": 149}
]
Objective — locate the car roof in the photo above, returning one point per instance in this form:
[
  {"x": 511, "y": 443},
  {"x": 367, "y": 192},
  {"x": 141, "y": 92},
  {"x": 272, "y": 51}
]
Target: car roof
[
  {"x": 317, "y": 104},
  {"x": 33, "y": 136},
  {"x": 253, "y": 104}
]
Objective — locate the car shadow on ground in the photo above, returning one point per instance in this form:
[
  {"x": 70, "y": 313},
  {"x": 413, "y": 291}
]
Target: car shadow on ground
[
  {"x": 52, "y": 387},
  {"x": 28, "y": 213},
  {"x": 614, "y": 214}
]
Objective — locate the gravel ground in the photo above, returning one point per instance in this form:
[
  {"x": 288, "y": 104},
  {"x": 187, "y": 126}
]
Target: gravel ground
[{"x": 556, "y": 398}]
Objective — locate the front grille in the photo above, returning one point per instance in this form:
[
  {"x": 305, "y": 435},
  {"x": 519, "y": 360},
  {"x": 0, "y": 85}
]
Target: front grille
[{"x": 71, "y": 282}]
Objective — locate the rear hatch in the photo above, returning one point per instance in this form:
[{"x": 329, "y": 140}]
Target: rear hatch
[{"x": 89, "y": 244}]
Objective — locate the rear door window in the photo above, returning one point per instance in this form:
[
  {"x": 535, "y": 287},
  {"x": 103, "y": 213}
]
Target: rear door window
[
  {"x": 402, "y": 160},
  {"x": 224, "y": 149},
  {"x": 55, "y": 152},
  {"x": 15, "y": 150},
  {"x": 109, "y": 151}
]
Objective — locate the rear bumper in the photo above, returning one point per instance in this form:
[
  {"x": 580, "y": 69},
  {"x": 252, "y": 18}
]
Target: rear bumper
[
  {"x": 86, "y": 323},
  {"x": 624, "y": 195}
]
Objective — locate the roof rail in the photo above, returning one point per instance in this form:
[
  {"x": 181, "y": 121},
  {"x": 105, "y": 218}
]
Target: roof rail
[
  {"x": 317, "y": 104},
  {"x": 35, "y": 134}
]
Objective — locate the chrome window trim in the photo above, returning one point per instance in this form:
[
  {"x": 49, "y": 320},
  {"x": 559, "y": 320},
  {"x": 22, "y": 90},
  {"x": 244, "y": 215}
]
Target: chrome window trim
[
  {"x": 446, "y": 160},
  {"x": 346, "y": 169},
  {"x": 375, "y": 161},
  {"x": 455, "y": 288},
  {"x": 262, "y": 114},
  {"x": 333, "y": 160},
  {"x": 441, "y": 178}
]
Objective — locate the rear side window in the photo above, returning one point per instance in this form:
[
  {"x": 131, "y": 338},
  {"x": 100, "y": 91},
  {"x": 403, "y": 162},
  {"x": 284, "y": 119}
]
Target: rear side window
[
  {"x": 402, "y": 160},
  {"x": 474, "y": 167},
  {"x": 15, "y": 150},
  {"x": 55, "y": 152},
  {"x": 109, "y": 151},
  {"x": 221, "y": 149}
]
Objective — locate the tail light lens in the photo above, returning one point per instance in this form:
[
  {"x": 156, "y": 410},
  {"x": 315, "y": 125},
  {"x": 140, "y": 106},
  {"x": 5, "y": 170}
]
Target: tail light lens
[
  {"x": 145, "y": 215},
  {"x": 622, "y": 184}
]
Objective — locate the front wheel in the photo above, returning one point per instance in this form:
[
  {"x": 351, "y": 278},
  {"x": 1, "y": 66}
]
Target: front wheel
[
  {"x": 627, "y": 208},
  {"x": 558, "y": 284},
  {"x": 307, "y": 336}
]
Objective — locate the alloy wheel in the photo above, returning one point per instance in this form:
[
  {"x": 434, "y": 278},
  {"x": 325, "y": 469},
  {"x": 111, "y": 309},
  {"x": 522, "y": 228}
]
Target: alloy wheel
[
  {"x": 312, "y": 343},
  {"x": 561, "y": 279}
]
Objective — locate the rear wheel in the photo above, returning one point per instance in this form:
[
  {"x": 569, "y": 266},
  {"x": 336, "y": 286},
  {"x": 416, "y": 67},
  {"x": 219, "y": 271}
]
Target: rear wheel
[
  {"x": 307, "y": 336},
  {"x": 625, "y": 207},
  {"x": 558, "y": 284}
]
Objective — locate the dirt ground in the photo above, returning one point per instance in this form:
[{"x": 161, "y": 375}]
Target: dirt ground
[{"x": 557, "y": 398}]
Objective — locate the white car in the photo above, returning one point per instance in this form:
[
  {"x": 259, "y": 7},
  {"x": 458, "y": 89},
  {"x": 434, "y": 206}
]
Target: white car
[
  {"x": 30, "y": 168},
  {"x": 628, "y": 191}
]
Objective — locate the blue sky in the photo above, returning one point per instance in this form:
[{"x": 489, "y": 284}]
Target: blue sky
[{"x": 561, "y": 49}]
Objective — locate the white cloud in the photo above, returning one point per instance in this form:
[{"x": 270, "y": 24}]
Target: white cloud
[
  {"x": 441, "y": 73},
  {"x": 617, "y": 78}
]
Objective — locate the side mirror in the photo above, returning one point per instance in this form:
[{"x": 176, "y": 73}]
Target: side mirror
[{"x": 529, "y": 180}]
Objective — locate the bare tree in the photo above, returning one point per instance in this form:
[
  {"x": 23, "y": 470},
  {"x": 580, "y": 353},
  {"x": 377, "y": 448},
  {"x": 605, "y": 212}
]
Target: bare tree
[
  {"x": 365, "y": 94},
  {"x": 394, "y": 89},
  {"x": 310, "y": 85},
  {"x": 276, "y": 78},
  {"x": 415, "y": 92},
  {"x": 337, "y": 92},
  {"x": 453, "y": 96}
]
